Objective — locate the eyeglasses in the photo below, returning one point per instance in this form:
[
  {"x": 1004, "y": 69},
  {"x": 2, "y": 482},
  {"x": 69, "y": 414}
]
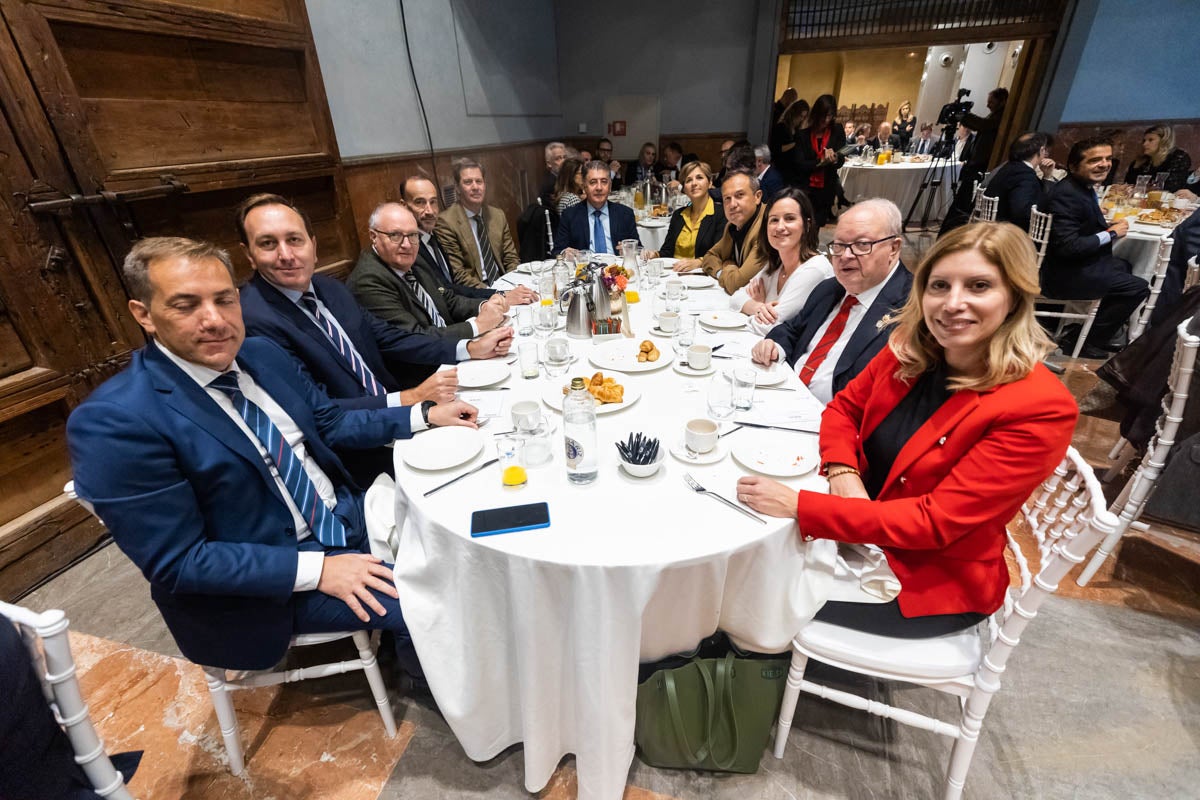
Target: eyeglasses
[
  {"x": 399, "y": 237},
  {"x": 856, "y": 248}
]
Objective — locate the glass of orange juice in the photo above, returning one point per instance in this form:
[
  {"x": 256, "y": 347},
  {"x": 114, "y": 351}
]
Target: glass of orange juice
[
  {"x": 631, "y": 295},
  {"x": 511, "y": 454}
]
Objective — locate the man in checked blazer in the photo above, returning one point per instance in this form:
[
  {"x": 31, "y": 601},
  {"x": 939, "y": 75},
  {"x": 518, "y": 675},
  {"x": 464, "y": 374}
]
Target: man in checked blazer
[
  {"x": 389, "y": 284},
  {"x": 479, "y": 252}
]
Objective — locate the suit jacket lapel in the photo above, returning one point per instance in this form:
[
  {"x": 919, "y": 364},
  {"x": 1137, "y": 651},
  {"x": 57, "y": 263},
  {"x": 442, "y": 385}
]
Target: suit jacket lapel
[
  {"x": 821, "y": 309},
  {"x": 301, "y": 321},
  {"x": 466, "y": 234},
  {"x": 868, "y": 329}
]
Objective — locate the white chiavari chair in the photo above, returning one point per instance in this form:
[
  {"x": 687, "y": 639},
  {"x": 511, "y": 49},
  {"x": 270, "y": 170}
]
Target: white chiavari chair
[
  {"x": 1192, "y": 276},
  {"x": 1129, "y": 504},
  {"x": 984, "y": 209},
  {"x": 1068, "y": 516},
  {"x": 1083, "y": 311},
  {"x": 1156, "y": 282}
]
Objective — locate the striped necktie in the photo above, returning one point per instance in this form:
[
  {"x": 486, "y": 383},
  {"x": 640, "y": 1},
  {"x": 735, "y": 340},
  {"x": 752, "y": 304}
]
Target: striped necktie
[
  {"x": 425, "y": 299},
  {"x": 321, "y": 521},
  {"x": 817, "y": 356},
  {"x": 491, "y": 270},
  {"x": 365, "y": 377}
]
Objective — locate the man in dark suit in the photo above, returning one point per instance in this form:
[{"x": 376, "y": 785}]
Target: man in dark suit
[
  {"x": 1017, "y": 185},
  {"x": 388, "y": 283},
  {"x": 1080, "y": 264},
  {"x": 847, "y": 318},
  {"x": 421, "y": 197},
  {"x": 604, "y": 152},
  {"x": 769, "y": 180},
  {"x": 596, "y": 225},
  {"x": 976, "y": 155},
  {"x": 210, "y": 460},
  {"x": 359, "y": 360},
  {"x": 922, "y": 144}
]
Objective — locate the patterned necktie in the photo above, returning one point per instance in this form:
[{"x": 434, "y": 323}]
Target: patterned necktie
[
  {"x": 828, "y": 340},
  {"x": 344, "y": 346},
  {"x": 491, "y": 270},
  {"x": 321, "y": 521},
  {"x": 425, "y": 299},
  {"x": 600, "y": 245}
]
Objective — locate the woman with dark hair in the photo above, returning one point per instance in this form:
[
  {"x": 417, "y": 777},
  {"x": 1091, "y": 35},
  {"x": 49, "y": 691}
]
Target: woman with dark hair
[
  {"x": 782, "y": 139},
  {"x": 698, "y": 226},
  {"x": 794, "y": 264},
  {"x": 1159, "y": 154},
  {"x": 568, "y": 189},
  {"x": 934, "y": 446},
  {"x": 817, "y": 157}
]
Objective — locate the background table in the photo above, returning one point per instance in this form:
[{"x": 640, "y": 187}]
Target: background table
[
  {"x": 536, "y": 636},
  {"x": 898, "y": 183}
]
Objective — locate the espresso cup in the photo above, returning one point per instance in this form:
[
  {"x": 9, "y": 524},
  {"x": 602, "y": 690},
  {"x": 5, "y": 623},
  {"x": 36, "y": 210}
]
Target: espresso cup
[
  {"x": 526, "y": 415},
  {"x": 700, "y": 435},
  {"x": 699, "y": 356},
  {"x": 668, "y": 321}
]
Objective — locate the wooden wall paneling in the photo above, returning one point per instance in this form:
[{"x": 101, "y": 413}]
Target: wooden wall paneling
[
  {"x": 39, "y": 543},
  {"x": 277, "y": 11},
  {"x": 705, "y": 145}
]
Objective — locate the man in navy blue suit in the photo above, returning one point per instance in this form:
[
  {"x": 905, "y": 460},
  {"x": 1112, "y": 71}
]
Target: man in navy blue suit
[
  {"x": 847, "y": 318},
  {"x": 210, "y": 459},
  {"x": 596, "y": 225}
]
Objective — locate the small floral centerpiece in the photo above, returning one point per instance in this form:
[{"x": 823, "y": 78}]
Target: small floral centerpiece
[{"x": 615, "y": 278}]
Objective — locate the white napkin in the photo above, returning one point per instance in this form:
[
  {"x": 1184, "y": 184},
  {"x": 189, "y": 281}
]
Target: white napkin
[
  {"x": 490, "y": 404},
  {"x": 379, "y": 507},
  {"x": 797, "y": 410},
  {"x": 862, "y": 575}
]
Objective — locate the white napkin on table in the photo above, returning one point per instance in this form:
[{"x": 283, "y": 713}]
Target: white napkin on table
[
  {"x": 490, "y": 404},
  {"x": 795, "y": 410}
]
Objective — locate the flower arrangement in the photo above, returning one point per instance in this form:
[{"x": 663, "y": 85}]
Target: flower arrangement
[{"x": 615, "y": 278}]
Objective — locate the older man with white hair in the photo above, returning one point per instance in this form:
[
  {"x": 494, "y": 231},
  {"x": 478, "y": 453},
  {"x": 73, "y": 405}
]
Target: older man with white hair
[
  {"x": 769, "y": 179},
  {"x": 848, "y": 317},
  {"x": 555, "y": 153}
]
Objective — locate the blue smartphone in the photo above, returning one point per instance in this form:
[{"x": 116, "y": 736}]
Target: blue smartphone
[{"x": 491, "y": 521}]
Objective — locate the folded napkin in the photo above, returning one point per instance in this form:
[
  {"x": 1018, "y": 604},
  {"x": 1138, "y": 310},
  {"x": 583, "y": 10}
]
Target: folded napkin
[
  {"x": 862, "y": 575},
  {"x": 490, "y": 404},
  {"x": 379, "y": 508},
  {"x": 797, "y": 410}
]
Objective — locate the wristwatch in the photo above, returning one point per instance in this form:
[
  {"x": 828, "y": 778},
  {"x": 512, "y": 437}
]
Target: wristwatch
[{"x": 425, "y": 406}]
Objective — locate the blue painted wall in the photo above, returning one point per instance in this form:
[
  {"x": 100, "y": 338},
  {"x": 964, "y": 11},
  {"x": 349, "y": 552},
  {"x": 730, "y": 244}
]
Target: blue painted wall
[{"x": 1138, "y": 63}]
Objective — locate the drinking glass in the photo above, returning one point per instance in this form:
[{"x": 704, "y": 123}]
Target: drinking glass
[
  {"x": 742, "y": 383},
  {"x": 684, "y": 336},
  {"x": 676, "y": 295},
  {"x": 650, "y": 269},
  {"x": 720, "y": 397},
  {"x": 527, "y": 355},
  {"x": 510, "y": 451},
  {"x": 524, "y": 316},
  {"x": 1160, "y": 181},
  {"x": 544, "y": 320},
  {"x": 558, "y": 357},
  {"x": 546, "y": 288}
]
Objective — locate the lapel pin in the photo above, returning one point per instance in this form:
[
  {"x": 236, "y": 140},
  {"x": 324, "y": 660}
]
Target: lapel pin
[{"x": 883, "y": 322}]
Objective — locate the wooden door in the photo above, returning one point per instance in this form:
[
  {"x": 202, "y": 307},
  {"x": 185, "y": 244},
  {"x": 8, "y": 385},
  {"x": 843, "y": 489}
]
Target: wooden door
[{"x": 159, "y": 116}]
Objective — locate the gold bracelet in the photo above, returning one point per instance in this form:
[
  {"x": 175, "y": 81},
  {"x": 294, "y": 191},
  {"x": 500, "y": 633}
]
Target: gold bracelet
[{"x": 846, "y": 470}]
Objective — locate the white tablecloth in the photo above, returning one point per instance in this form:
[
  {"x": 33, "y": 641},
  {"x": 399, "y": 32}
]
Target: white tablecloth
[
  {"x": 536, "y": 636},
  {"x": 653, "y": 232},
  {"x": 899, "y": 183},
  {"x": 1140, "y": 247}
]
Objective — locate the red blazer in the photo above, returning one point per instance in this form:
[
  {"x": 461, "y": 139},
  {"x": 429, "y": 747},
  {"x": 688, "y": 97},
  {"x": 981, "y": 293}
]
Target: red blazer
[{"x": 963, "y": 475}]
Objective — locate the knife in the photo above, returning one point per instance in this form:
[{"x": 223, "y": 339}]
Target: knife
[
  {"x": 471, "y": 471},
  {"x": 770, "y": 427}
]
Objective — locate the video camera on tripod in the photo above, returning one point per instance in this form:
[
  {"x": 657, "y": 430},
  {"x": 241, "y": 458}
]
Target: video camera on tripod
[{"x": 949, "y": 117}]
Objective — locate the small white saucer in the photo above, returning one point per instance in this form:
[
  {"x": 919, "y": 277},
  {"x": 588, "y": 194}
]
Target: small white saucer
[
  {"x": 683, "y": 368},
  {"x": 679, "y": 450}
]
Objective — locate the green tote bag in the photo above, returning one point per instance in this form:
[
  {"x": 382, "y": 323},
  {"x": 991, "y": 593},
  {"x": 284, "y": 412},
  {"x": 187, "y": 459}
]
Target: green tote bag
[{"x": 710, "y": 714}]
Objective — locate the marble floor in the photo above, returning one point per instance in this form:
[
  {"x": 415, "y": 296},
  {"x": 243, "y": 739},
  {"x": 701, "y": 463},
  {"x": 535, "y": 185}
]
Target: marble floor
[{"x": 1101, "y": 700}]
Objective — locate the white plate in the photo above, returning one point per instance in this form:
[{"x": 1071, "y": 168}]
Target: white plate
[
  {"x": 477, "y": 374},
  {"x": 698, "y": 280},
  {"x": 654, "y": 222},
  {"x": 780, "y": 456},
  {"x": 657, "y": 331},
  {"x": 443, "y": 448},
  {"x": 528, "y": 268},
  {"x": 762, "y": 376},
  {"x": 683, "y": 369},
  {"x": 621, "y": 355},
  {"x": 679, "y": 450},
  {"x": 666, "y": 264},
  {"x": 723, "y": 318},
  {"x": 553, "y": 397}
]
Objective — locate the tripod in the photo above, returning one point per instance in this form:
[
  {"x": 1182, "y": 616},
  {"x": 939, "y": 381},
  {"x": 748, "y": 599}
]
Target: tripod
[{"x": 934, "y": 176}]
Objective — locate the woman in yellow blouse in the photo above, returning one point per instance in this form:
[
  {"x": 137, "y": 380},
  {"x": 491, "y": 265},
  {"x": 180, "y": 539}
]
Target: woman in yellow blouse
[{"x": 697, "y": 227}]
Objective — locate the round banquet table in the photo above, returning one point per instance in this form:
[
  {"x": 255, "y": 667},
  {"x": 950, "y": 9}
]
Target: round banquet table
[
  {"x": 652, "y": 231},
  {"x": 536, "y": 636},
  {"x": 898, "y": 183},
  {"x": 1140, "y": 247}
]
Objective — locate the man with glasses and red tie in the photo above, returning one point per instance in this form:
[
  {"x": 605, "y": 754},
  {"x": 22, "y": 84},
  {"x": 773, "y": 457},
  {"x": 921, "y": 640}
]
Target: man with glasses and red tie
[
  {"x": 847, "y": 318},
  {"x": 475, "y": 236}
]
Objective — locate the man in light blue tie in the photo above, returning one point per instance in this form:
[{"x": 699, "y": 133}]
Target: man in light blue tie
[
  {"x": 597, "y": 225},
  {"x": 211, "y": 460}
]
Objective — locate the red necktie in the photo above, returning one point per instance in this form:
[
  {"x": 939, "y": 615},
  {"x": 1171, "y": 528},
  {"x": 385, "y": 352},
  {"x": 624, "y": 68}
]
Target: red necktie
[{"x": 832, "y": 333}]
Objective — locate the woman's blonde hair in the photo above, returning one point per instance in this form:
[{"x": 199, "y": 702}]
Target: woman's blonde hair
[
  {"x": 1166, "y": 143},
  {"x": 1017, "y": 345},
  {"x": 692, "y": 166}
]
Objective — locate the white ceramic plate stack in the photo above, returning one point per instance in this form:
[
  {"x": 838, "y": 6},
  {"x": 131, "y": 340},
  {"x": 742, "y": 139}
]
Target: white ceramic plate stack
[{"x": 443, "y": 448}]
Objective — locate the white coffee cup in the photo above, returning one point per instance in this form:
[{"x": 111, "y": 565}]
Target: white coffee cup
[
  {"x": 700, "y": 435},
  {"x": 668, "y": 321},
  {"x": 526, "y": 415},
  {"x": 699, "y": 356}
]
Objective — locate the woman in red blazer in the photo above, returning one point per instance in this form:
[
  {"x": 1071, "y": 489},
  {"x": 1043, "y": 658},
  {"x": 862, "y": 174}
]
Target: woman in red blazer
[{"x": 932, "y": 449}]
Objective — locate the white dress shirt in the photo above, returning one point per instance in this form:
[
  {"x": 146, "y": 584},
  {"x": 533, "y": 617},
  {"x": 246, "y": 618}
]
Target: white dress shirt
[
  {"x": 821, "y": 384},
  {"x": 309, "y": 562}
]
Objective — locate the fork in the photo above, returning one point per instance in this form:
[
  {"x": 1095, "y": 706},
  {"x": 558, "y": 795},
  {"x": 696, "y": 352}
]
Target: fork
[{"x": 687, "y": 476}]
